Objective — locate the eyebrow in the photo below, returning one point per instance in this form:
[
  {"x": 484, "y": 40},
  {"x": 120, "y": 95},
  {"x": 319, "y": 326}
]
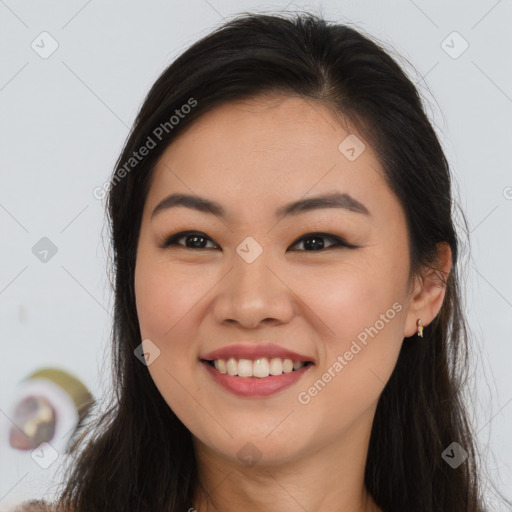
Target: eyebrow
[{"x": 330, "y": 200}]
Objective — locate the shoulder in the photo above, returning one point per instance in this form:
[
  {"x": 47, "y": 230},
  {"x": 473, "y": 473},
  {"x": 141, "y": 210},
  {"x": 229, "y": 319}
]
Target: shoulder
[{"x": 33, "y": 506}]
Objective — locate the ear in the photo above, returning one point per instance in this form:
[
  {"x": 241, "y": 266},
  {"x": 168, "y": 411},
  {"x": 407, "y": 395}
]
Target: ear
[{"x": 429, "y": 291}]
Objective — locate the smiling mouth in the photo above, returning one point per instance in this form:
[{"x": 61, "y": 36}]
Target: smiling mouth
[{"x": 257, "y": 368}]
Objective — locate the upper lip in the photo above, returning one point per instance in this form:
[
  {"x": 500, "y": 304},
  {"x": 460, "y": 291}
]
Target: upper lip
[{"x": 255, "y": 352}]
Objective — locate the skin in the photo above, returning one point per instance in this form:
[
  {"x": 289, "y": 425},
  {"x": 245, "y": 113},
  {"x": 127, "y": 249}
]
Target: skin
[{"x": 253, "y": 157}]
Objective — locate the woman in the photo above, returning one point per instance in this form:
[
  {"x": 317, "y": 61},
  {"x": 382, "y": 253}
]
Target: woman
[{"x": 288, "y": 324}]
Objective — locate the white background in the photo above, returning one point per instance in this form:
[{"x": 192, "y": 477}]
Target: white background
[{"x": 63, "y": 122}]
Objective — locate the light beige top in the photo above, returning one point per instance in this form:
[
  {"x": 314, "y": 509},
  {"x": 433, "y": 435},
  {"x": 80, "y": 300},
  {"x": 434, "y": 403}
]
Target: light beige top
[{"x": 33, "y": 506}]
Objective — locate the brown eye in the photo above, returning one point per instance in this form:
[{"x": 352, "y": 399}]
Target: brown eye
[
  {"x": 193, "y": 240},
  {"x": 315, "y": 242}
]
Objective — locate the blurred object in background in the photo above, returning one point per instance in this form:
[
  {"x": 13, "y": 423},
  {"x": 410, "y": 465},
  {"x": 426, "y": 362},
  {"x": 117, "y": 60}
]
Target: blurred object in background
[
  {"x": 35, "y": 419},
  {"x": 47, "y": 407}
]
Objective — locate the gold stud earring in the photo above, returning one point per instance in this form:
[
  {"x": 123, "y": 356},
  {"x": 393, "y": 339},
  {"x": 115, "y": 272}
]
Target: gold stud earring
[{"x": 420, "y": 328}]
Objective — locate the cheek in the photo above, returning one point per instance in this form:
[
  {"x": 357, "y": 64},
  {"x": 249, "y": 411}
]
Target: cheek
[
  {"x": 358, "y": 359},
  {"x": 165, "y": 296},
  {"x": 362, "y": 314},
  {"x": 169, "y": 301},
  {"x": 352, "y": 297}
]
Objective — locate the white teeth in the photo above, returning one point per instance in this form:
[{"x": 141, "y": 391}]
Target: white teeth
[
  {"x": 258, "y": 368},
  {"x": 287, "y": 366},
  {"x": 245, "y": 368},
  {"x": 220, "y": 365},
  {"x": 297, "y": 365},
  {"x": 276, "y": 366},
  {"x": 232, "y": 366}
]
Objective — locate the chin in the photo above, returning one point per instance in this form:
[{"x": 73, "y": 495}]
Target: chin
[{"x": 253, "y": 448}]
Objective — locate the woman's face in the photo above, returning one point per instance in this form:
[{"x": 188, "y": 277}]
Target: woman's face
[{"x": 254, "y": 277}]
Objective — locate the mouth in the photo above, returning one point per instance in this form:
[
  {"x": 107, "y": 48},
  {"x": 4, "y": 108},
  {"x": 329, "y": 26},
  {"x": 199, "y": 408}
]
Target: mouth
[{"x": 256, "y": 368}]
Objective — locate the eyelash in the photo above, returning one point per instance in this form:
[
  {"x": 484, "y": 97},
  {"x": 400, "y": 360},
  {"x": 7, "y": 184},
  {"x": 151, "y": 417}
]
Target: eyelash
[{"x": 338, "y": 242}]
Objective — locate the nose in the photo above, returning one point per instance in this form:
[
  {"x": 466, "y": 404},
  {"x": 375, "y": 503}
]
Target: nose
[{"x": 254, "y": 293}]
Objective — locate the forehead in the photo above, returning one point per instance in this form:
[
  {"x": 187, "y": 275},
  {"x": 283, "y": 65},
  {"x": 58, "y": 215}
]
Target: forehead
[
  {"x": 268, "y": 151},
  {"x": 267, "y": 128}
]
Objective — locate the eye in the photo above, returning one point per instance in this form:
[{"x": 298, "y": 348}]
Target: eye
[
  {"x": 196, "y": 239},
  {"x": 312, "y": 241},
  {"x": 315, "y": 241}
]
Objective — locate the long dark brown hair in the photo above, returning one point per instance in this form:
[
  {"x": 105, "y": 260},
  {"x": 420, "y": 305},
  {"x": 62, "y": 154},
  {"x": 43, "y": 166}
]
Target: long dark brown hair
[{"x": 137, "y": 455}]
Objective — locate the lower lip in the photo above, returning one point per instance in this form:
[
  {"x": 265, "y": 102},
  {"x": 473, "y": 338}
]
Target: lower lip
[{"x": 255, "y": 386}]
